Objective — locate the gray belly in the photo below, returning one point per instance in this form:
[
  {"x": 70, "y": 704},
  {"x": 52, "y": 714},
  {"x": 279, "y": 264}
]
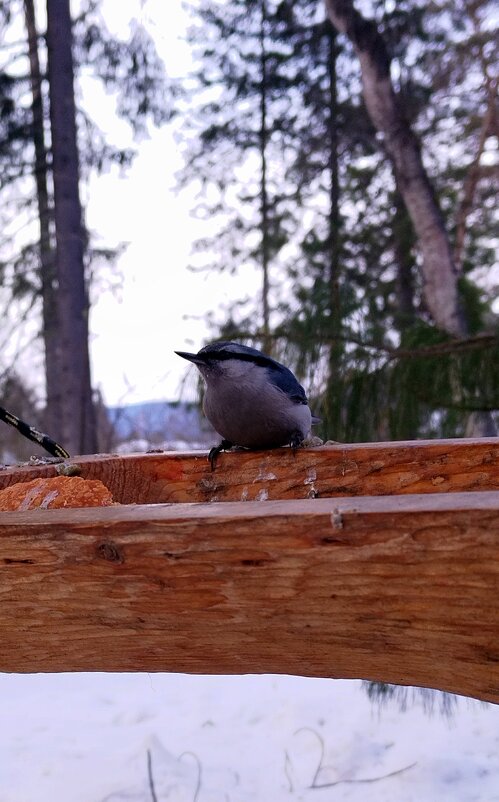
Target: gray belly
[{"x": 263, "y": 419}]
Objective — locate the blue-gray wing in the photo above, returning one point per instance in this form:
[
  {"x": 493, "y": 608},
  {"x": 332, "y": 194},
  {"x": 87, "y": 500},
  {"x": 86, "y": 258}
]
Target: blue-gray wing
[{"x": 285, "y": 380}]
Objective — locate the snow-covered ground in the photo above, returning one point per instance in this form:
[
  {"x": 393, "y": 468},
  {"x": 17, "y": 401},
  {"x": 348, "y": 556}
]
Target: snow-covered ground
[{"x": 178, "y": 738}]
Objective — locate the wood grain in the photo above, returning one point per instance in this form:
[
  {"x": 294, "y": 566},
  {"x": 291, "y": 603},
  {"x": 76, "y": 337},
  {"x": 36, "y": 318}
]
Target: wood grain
[
  {"x": 434, "y": 466},
  {"x": 402, "y": 589}
]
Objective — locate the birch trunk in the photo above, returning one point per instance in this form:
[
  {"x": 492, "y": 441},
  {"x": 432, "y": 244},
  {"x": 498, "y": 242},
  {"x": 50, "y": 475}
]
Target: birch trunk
[{"x": 438, "y": 268}]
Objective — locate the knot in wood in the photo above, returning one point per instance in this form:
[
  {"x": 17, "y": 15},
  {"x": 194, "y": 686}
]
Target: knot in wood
[{"x": 110, "y": 551}]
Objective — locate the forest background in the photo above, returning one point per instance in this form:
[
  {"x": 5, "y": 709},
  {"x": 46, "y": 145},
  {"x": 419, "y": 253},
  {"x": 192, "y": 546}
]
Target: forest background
[{"x": 345, "y": 155}]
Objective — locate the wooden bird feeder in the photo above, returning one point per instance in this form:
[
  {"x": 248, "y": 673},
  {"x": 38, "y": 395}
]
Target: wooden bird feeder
[{"x": 377, "y": 561}]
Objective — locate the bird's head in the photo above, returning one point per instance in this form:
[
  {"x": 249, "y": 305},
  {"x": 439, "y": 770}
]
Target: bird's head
[
  {"x": 223, "y": 362},
  {"x": 221, "y": 358}
]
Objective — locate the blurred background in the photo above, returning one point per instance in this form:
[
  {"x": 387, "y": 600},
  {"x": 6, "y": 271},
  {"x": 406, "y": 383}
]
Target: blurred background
[
  {"x": 314, "y": 178},
  {"x": 317, "y": 180}
]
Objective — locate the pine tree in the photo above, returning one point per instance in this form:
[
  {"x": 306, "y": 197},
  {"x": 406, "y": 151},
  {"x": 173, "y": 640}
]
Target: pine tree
[
  {"x": 239, "y": 132},
  {"x": 354, "y": 315}
]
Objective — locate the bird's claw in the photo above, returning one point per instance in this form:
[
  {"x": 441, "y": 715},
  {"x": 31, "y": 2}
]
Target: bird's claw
[
  {"x": 296, "y": 441},
  {"x": 225, "y": 445}
]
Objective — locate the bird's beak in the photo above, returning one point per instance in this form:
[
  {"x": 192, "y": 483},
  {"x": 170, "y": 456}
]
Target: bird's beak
[{"x": 198, "y": 360}]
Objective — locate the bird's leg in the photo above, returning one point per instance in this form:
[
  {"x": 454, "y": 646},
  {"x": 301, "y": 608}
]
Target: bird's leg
[
  {"x": 296, "y": 440},
  {"x": 216, "y": 450}
]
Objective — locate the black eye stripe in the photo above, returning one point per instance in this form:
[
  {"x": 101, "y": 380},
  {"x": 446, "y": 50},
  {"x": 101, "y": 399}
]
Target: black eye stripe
[{"x": 220, "y": 356}]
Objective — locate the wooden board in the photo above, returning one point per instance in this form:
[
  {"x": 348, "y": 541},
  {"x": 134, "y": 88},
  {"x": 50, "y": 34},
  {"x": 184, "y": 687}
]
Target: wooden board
[
  {"x": 434, "y": 466},
  {"x": 402, "y": 589}
]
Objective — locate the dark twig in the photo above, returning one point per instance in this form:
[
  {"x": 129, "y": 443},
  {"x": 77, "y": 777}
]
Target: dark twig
[
  {"x": 198, "y": 764},
  {"x": 320, "y": 765},
  {"x": 33, "y": 434},
  {"x": 367, "y": 779},
  {"x": 314, "y": 785},
  {"x": 150, "y": 777},
  {"x": 287, "y": 764}
]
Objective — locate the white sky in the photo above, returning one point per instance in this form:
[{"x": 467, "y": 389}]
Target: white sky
[{"x": 134, "y": 331}]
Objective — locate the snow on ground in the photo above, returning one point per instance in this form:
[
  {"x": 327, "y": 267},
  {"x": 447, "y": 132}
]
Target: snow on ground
[{"x": 178, "y": 738}]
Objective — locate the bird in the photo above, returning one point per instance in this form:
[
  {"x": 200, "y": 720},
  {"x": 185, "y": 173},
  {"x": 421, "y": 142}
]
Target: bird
[{"x": 251, "y": 400}]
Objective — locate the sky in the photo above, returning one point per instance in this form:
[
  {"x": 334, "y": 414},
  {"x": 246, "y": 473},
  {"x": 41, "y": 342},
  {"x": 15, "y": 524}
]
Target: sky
[{"x": 161, "y": 305}]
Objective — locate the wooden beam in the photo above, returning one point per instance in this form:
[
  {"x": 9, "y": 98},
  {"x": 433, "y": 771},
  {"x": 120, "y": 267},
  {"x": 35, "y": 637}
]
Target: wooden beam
[
  {"x": 402, "y": 589},
  {"x": 433, "y": 466}
]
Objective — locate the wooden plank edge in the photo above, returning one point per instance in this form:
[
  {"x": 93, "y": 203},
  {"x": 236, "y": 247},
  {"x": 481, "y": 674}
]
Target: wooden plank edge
[
  {"x": 249, "y": 510},
  {"x": 400, "y": 467}
]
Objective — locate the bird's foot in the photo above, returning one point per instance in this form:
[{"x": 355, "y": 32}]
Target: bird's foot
[
  {"x": 225, "y": 445},
  {"x": 296, "y": 441}
]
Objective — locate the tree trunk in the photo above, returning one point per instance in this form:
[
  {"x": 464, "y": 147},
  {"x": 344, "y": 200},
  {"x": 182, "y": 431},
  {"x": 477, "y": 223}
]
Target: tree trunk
[
  {"x": 334, "y": 189},
  {"x": 403, "y": 241},
  {"x": 438, "y": 269},
  {"x": 264, "y": 201},
  {"x": 78, "y": 419},
  {"x": 53, "y": 414},
  {"x": 333, "y": 405}
]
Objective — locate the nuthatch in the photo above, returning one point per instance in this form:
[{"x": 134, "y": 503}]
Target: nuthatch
[{"x": 251, "y": 400}]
